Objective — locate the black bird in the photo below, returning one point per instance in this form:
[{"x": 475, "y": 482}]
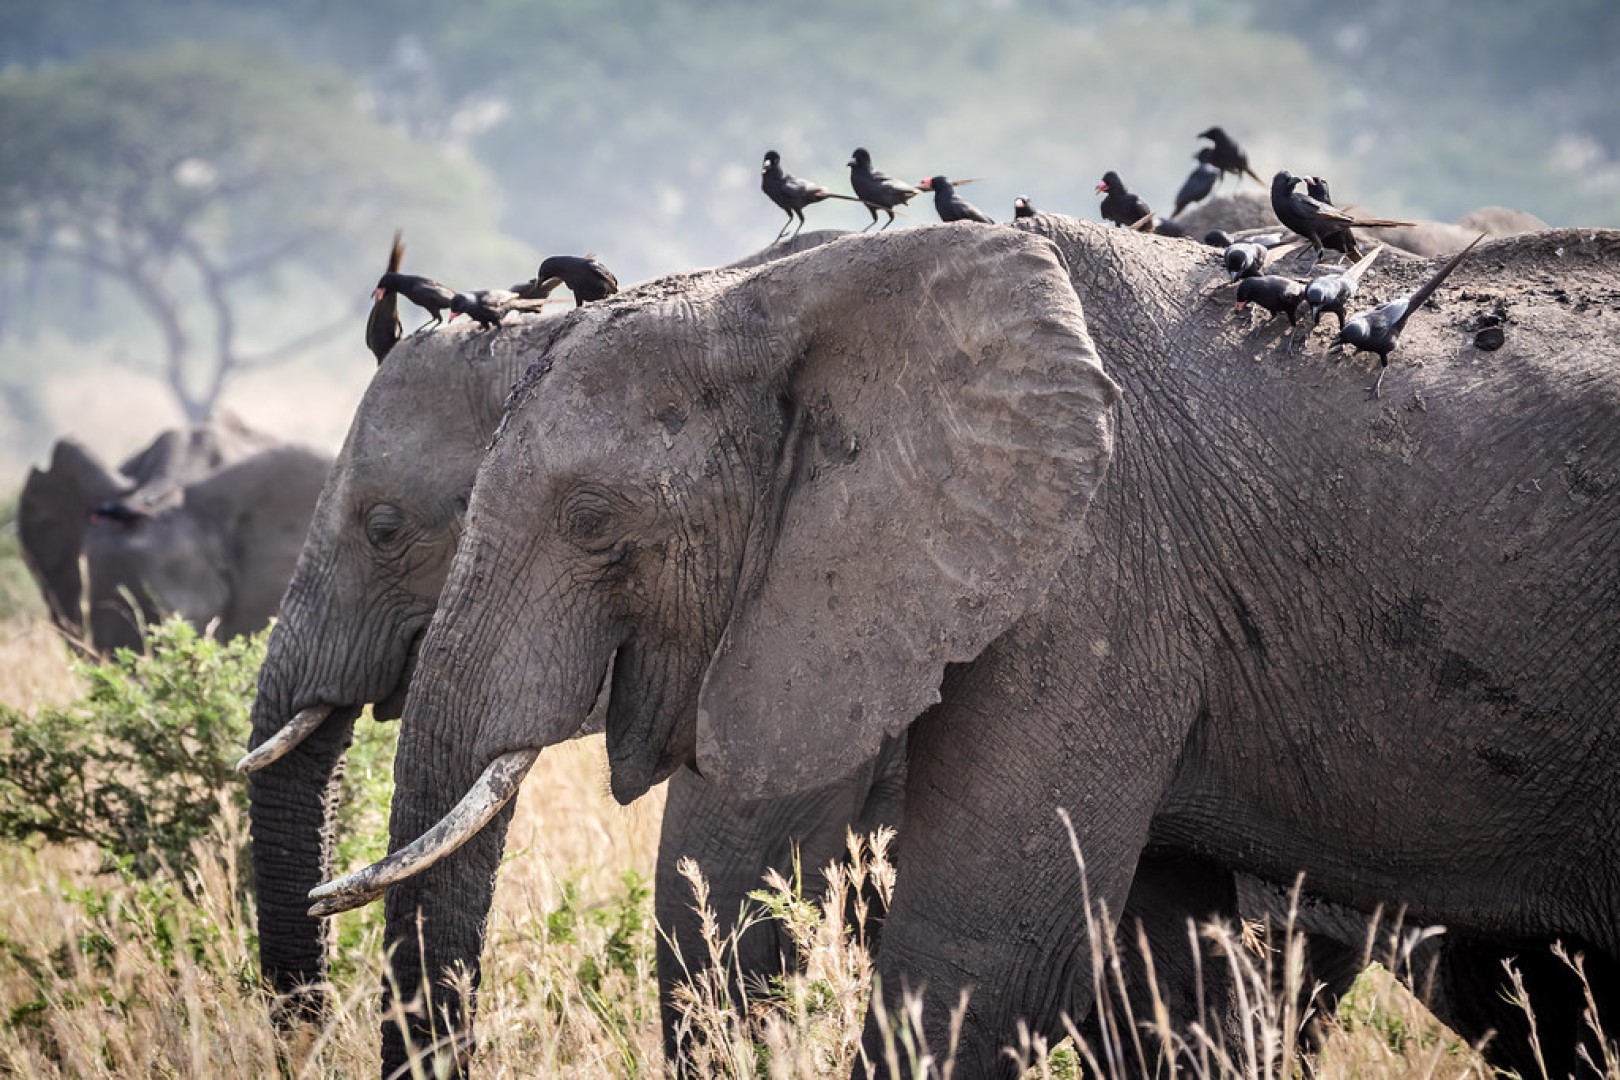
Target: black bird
[
  {"x": 1219, "y": 238},
  {"x": 1276, "y": 294},
  {"x": 1226, "y": 155},
  {"x": 1332, "y": 292},
  {"x": 876, "y": 190},
  {"x": 1312, "y": 218},
  {"x": 1121, "y": 205},
  {"x": 382, "y": 325},
  {"x": 1243, "y": 259},
  {"x": 1379, "y": 330},
  {"x": 951, "y": 206},
  {"x": 1198, "y": 184},
  {"x": 119, "y": 511},
  {"x": 791, "y": 193},
  {"x": 534, "y": 288},
  {"x": 1344, "y": 240},
  {"x": 488, "y": 307},
  {"x": 1023, "y": 208},
  {"x": 586, "y": 278},
  {"x": 425, "y": 293}
]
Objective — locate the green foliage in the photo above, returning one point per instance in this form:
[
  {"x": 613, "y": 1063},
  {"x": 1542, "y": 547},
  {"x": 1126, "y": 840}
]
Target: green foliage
[
  {"x": 137, "y": 766},
  {"x": 140, "y": 764}
]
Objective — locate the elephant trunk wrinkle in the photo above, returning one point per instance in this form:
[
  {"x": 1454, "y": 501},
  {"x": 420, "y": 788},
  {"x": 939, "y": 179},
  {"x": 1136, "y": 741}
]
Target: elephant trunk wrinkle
[{"x": 494, "y": 788}]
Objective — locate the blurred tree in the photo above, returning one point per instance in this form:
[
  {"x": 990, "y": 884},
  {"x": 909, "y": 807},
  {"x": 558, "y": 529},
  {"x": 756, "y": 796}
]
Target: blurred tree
[{"x": 194, "y": 178}]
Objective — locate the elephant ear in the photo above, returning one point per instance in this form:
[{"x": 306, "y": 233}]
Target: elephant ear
[
  {"x": 952, "y": 424},
  {"x": 259, "y": 510},
  {"x": 52, "y": 515},
  {"x": 182, "y": 456}
]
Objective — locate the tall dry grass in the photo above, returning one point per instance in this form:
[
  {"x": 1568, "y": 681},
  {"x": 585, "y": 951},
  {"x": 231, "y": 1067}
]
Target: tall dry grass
[{"x": 109, "y": 976}]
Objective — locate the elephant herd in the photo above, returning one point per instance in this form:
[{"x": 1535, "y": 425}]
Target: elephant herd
[{"x": 971, "y": 530}]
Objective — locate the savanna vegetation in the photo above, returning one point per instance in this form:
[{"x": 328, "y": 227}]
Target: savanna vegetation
[{"x": 127, "y": 944}]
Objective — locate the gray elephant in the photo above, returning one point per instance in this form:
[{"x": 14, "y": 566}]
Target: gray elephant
[
  {"x": 367, "y": 582},
  {"x": 205, "y": 522},
  {"x": 1298, "y": 631}
]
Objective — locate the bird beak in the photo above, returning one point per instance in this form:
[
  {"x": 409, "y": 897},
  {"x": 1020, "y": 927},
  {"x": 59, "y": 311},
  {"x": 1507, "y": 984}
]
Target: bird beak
[
  {"x": 377, "y": 294},
  {"x": 850, "y": 163},
  {"x": 1102, "y": 186},
  {"x": 1240, "y": 305},
  {"x": 926, "y": 185},
  {"x": 452, "y": 317}
]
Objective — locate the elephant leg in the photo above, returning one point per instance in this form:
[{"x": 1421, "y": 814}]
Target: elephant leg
[
  {"x": 989, "y": 897},
  {"x": 1171, "y": 888},
  {"x": 1470, "y": 993},
  {"x": 735, "y": 843}
]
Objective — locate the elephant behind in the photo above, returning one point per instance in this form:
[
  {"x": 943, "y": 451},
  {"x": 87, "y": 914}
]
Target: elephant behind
[{"x": 205, "y": 522}]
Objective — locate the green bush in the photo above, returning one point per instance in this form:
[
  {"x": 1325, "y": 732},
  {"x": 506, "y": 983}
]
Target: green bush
[{"x": 138, "y": 765}]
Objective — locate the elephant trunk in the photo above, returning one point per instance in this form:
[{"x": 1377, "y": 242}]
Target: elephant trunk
[
  {"x": 436, "y": 916},
  {"x": 291, "y": 806}
]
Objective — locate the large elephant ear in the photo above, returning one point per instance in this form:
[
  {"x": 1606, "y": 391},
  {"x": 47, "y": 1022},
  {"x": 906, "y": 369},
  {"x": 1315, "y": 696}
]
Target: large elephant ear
[
  {"x": 52, "y": 515},
  {"x": 953, "y": 423},
  {"x": 259, "y": 510}
]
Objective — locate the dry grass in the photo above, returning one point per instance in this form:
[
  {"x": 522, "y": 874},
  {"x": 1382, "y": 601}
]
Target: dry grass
[{"x": 106, "y": 977}]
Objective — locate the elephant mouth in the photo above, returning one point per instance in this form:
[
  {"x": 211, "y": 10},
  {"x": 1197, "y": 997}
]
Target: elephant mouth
[
  {"x": 391, "y": 706},
  {"x": 313, "y": 716}
]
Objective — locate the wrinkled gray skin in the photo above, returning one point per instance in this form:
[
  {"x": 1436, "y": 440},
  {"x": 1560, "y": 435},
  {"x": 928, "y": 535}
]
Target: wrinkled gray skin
[
  {"x": 221, "y": 514},
  {"x": 1299, "y": 630}
]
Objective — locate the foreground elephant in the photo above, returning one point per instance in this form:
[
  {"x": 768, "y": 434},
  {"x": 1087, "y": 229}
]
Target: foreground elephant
[
  {"x": 367, "y": 582},
  {"x": 1299, "y": 630},
  {"x": 205, "y": 522}
]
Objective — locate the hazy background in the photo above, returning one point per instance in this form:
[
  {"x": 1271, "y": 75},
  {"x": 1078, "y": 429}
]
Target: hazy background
[{"x": 185, "y": 185}]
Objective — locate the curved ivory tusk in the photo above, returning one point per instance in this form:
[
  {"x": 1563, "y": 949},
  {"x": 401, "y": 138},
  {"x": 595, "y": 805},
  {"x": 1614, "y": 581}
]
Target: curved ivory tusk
[
  {"x": 282, "y": 742},
  {"x": 493, "y": 790}
]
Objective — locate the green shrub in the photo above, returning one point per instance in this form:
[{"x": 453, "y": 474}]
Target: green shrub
[{"x": 138, "y": 765}]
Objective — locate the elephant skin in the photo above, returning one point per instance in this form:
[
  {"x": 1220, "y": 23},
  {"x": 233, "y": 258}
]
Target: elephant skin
[
  {"x": 1299, "y": 630},
  {"x": 208, "y": 523}
]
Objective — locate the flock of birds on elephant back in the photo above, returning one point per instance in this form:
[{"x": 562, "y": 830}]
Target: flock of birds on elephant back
[{"x": 1249, "y": 256}]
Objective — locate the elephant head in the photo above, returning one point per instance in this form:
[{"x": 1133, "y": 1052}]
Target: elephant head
[
  {"x": 204, "y": 522},
  {"x": 893, "y": 437},
  {"x": 366, "y": 583}
]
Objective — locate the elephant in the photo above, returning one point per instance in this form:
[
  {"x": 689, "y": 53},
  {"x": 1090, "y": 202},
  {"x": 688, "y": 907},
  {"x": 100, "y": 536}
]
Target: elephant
[
  {"x": 1294, "y": 631},
  {"x": 205, "y": 522},
  {"x": 367, "y": 581}
]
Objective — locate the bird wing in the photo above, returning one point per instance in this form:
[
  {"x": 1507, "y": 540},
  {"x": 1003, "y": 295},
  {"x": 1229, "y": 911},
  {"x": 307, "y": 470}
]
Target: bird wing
[
  {"x": 382, "y": 325},
  {"x": 1277, "y": 251}
]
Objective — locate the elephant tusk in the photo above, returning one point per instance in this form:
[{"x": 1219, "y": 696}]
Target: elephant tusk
[
  {"x": 494, "y": 789},
  {"x": 282, "y": 742}
]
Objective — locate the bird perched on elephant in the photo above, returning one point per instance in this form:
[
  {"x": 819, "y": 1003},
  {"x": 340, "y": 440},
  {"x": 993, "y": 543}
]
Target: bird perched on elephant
[
  {"x": 942, "y": 556},
  {"x": 205, "y": 522}
]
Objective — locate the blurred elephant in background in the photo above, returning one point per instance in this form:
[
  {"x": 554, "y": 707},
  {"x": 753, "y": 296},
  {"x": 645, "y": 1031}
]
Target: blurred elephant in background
[{"x": 206, "y": 522}]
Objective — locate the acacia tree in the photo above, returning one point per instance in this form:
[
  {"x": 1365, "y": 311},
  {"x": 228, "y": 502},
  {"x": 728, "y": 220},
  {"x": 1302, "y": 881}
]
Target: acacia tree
[{"x": 195, "y": 179}]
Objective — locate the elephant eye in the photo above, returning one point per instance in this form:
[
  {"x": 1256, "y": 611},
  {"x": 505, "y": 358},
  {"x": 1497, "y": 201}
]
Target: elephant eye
[
  {"x": 384, "y": 523},
  {"x": 587, "y": 517}
]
